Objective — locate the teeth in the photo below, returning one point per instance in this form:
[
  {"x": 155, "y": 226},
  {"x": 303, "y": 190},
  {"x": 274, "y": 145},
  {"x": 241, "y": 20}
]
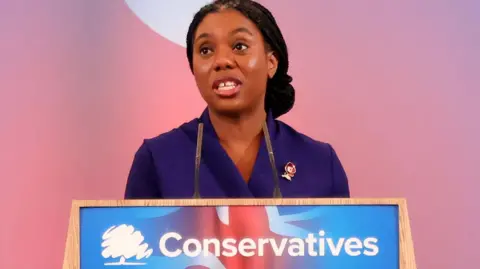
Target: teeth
[
  {"x": 227, "y": 84},
  {"x": 226, "y": 88}
]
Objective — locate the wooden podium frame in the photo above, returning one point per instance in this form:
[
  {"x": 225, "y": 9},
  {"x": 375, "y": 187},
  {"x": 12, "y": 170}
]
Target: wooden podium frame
[{"x": 72, "y": 249}]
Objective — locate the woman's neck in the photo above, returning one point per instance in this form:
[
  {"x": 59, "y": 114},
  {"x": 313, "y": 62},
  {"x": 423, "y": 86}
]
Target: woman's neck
[{"x": 238, "y": 129}]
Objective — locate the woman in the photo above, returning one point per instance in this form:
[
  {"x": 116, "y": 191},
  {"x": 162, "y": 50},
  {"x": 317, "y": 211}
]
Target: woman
[{"x": 237, "y": 148}]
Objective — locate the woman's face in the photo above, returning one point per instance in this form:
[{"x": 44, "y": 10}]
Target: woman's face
[{"x": 230, "y": 63}]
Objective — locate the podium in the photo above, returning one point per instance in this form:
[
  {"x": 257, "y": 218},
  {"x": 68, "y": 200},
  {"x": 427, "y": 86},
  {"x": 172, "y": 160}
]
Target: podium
[{"x": 240, "y": 233}]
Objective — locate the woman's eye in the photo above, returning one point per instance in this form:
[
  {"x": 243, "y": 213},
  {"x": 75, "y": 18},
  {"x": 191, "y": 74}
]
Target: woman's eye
[
  {"x": 204, "y": 51},
  {"x": 240, "y": 46}
]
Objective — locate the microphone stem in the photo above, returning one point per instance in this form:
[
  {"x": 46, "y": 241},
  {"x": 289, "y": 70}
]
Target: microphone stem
[
  {"x": 276, "y": 191},
  {"x": 198, "y": 157}
]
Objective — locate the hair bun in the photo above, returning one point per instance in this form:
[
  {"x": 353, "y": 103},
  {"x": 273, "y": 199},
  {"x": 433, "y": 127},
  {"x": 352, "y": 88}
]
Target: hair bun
[
  {"x": 280, "y": 96},
  {"x": 284, "y": 79}
]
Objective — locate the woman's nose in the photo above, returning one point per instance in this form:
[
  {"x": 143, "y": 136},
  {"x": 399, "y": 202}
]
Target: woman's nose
[{"x": 224, "y": 59}]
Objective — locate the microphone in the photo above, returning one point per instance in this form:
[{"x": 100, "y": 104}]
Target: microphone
[
  {"x": 276, "y": 191},
  {"x": 198, "y": 156}
]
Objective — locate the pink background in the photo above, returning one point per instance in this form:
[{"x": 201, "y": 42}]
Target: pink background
[{"x": 393, "y": 85}]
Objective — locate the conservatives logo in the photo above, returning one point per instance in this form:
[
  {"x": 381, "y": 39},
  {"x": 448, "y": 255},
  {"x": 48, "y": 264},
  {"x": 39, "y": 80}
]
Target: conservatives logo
[
  {"x": 314, "y": 245},
  {"x": 122, "y": 243}
]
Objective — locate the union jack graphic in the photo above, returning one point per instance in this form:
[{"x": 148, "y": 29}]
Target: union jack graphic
[{"x": 236, "y": 222}]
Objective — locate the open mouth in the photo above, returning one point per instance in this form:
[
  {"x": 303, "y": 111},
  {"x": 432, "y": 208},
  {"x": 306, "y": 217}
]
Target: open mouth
[{"x": 227, "y": 87}]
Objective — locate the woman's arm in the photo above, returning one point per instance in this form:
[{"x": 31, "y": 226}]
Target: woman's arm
[
  {"x": 142, "y": 180},
  {"x": 340, "y": 181}
]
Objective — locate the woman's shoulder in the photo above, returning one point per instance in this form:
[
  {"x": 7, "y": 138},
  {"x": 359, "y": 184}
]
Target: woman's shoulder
[
  {"x": 316, "y": 156},
  {"x": 174, "y": 138},
  {"x": 302, "y": 141}
]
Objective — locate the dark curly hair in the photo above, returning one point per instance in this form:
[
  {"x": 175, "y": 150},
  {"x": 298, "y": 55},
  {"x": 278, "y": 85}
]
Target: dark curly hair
[{"x": 280, "y": 94}]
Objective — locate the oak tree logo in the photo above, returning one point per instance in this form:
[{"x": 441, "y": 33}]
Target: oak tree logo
[{"x": 123, "y": 243}]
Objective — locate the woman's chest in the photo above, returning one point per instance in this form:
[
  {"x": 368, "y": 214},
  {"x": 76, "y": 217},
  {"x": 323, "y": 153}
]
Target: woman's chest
[{"x": 218, "y": 180}]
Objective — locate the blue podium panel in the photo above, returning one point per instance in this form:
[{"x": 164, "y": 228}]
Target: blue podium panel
[{"x": 287, "y": 236}]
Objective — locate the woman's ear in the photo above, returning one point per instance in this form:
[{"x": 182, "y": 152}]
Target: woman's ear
[{"x": 272, "y": 62}]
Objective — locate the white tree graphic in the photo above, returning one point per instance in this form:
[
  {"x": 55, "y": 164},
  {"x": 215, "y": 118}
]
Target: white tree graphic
[{"x": 124, "y": 242}]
